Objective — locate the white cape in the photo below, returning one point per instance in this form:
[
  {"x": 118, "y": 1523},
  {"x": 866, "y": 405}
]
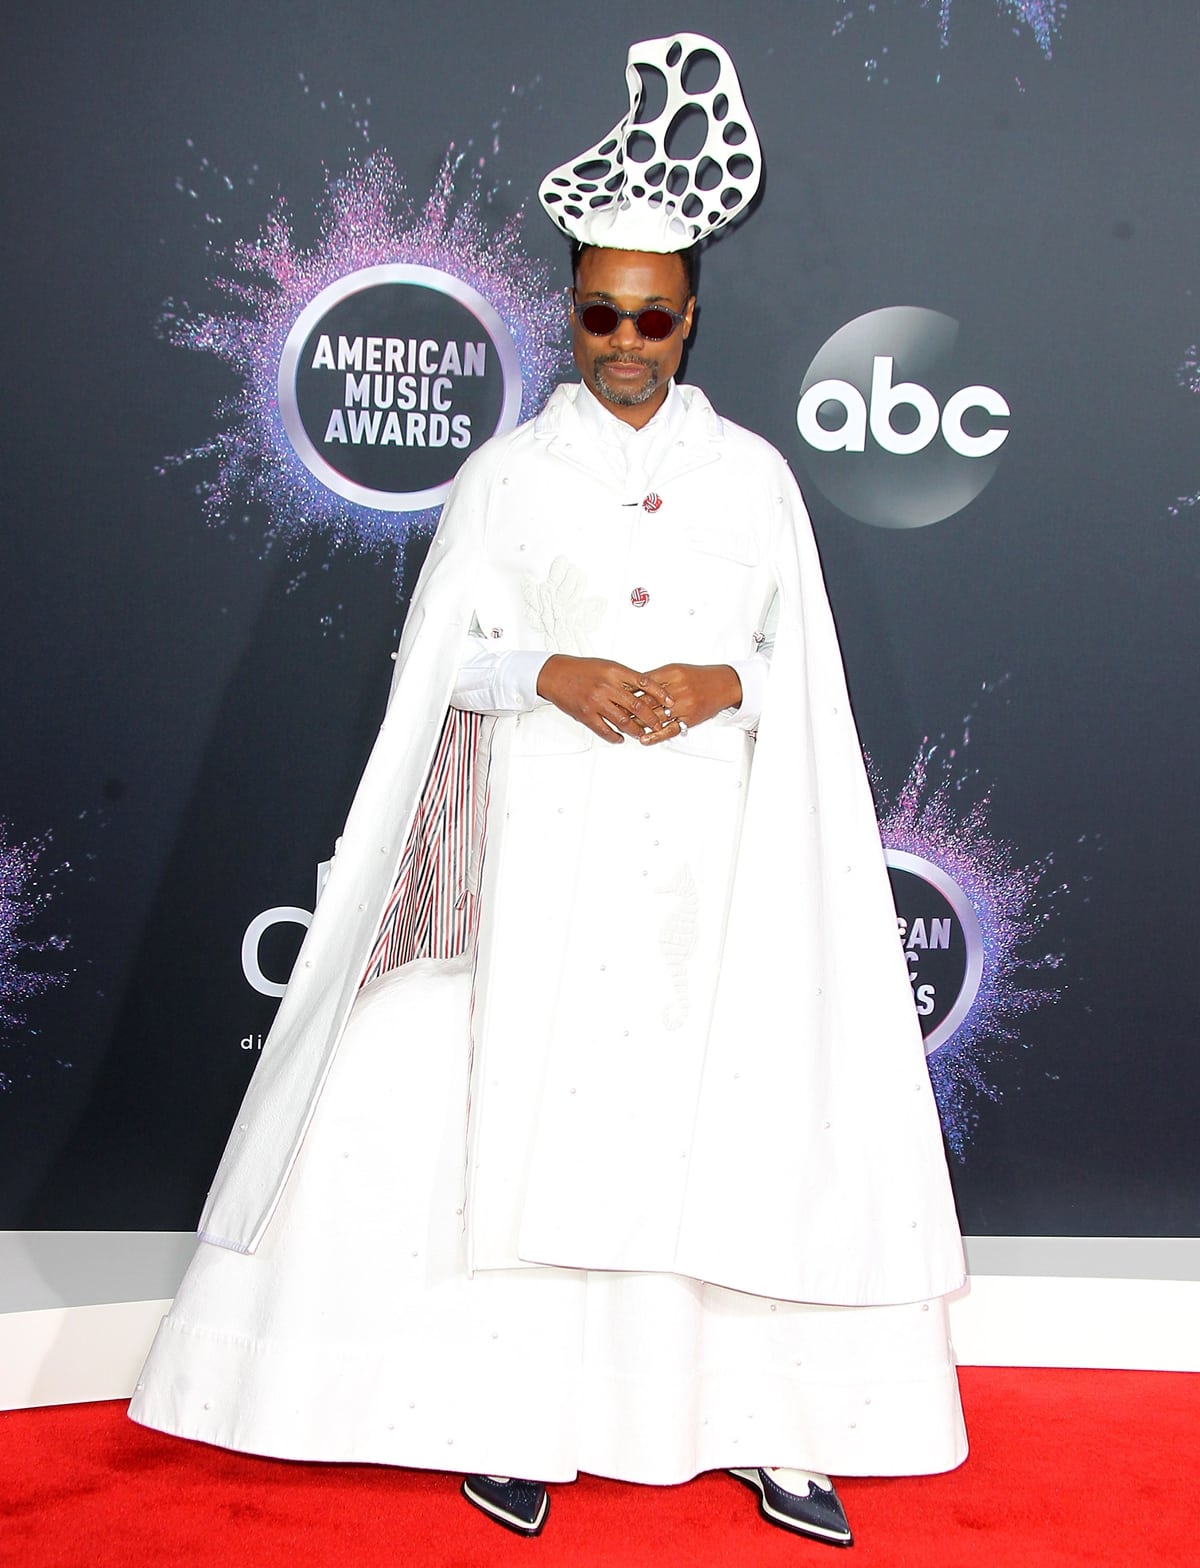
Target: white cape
[{"x": 816, "y": 1168}]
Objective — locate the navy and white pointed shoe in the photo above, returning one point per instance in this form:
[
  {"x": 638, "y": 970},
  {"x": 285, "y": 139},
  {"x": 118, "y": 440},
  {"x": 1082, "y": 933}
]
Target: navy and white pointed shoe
[
  {"x": 517, "y": 1505},
  {"x": 800, "y": 1500}
]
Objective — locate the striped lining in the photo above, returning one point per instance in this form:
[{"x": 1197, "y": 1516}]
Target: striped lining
[{"x": 431, "y": 910}]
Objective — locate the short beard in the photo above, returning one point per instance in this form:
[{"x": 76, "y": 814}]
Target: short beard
[{"x": 624, "y": 397}]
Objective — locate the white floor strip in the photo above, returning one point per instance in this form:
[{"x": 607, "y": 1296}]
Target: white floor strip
[{"x": 68, "y": 1355}]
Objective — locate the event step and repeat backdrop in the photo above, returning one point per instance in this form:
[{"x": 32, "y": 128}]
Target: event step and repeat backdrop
[{"x": 273, "y": 271}]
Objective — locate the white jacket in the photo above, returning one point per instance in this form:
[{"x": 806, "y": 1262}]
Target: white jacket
[{"x": 821, "y": 1177}]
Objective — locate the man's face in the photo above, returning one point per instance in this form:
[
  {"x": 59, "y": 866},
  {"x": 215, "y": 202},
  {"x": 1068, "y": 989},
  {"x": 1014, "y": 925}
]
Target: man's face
[{"x": 629, "y": 374}]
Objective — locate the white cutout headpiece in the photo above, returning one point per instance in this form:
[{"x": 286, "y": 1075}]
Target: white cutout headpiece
[{"x": 632, "y": 191}]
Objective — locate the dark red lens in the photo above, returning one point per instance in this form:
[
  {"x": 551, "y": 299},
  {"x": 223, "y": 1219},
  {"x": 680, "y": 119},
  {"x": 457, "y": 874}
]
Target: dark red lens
[
  {"x": 602, "y": 321},
  {"x": 655, "y": 324}
]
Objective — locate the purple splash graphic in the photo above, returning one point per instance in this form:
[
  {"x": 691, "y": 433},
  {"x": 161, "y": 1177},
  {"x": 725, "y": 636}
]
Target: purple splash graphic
[
  {"x": 1042, "y": 18},
  {"x": 933, "y": 816},
  {"x": 24, "y": 898},
  {"x": 366, "y": 219},
  {"x": 1188, "y": 377}
]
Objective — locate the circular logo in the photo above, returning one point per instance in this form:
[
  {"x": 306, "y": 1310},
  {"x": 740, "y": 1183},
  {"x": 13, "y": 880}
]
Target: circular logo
[
  {"x": 390, "y": 378},
  {"x": 897, "y": 428},
  {"x": 942, "y": 942}
]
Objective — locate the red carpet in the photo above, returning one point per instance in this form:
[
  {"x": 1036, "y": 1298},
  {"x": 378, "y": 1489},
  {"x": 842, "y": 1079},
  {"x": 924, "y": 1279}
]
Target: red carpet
[{"x": 1067, "y": 1467}]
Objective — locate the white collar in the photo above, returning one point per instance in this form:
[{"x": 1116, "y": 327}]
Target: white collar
[{"x": 599, "y": 420}]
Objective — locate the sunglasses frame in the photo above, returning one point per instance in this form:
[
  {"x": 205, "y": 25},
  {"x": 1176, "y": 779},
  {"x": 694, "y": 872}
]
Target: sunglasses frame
[{"x": 677, "y": 318}]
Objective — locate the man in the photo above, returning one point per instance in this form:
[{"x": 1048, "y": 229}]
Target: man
[
  {"x": 627, "y": 1161},
  {"x": 631, "y": 377}
]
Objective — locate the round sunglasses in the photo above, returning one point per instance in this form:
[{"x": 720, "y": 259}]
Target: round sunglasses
[{"x": 652, "y": 322}]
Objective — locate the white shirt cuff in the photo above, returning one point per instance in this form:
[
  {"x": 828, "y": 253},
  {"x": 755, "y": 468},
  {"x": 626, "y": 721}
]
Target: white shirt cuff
[
  {"x": 752, "y": 673},
  {"x": 491, "y": 681}
]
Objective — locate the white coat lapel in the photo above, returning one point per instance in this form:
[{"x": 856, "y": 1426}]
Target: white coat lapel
[{"x": 569, "y": 439}]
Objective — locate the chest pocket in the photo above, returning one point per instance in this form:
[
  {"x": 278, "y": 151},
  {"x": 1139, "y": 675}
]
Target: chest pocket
[
  {"x": 728, "y": 584},
  {"x": 727, "y": 541}
]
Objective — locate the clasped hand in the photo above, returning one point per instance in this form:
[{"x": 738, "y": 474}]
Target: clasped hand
[{"x": 649, "y": 706}]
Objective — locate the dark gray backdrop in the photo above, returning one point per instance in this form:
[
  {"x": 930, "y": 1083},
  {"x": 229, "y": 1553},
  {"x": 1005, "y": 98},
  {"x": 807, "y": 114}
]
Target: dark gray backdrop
[{"x": 186, "y": 711}]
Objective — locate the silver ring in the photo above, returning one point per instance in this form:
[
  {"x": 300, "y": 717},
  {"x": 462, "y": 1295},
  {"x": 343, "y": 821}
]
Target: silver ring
[{"x": 682, "y": 726}]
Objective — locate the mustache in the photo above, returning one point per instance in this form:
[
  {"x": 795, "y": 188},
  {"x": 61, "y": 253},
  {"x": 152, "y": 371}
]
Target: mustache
[{"x": 624, "y": 359}]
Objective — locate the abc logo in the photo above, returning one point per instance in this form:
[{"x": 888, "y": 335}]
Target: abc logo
[{"x": 897, "y": 431}]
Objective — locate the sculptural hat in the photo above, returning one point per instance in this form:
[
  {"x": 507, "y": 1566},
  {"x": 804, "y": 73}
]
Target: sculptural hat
[{"x": 632, "y": 191}]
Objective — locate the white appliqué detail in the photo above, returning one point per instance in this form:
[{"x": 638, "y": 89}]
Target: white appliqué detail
[
  {"x": 677, "y": 938},
  {"x": 559, "y": 609}
]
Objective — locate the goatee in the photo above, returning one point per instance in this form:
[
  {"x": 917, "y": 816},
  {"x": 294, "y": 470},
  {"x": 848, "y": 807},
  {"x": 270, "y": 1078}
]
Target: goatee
[{"x": 626, "y": 397}]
